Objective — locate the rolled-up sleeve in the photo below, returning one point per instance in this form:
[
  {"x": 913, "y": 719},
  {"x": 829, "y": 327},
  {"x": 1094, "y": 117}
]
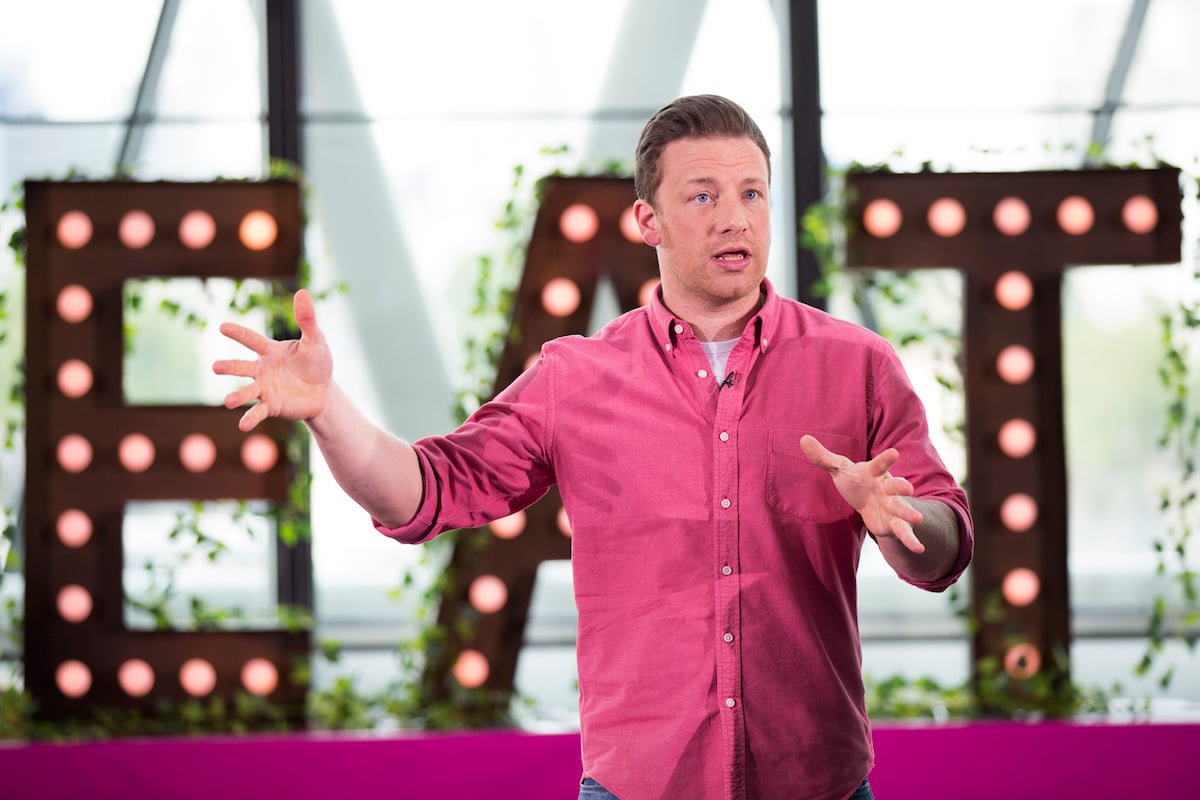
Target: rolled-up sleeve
[{"x": 495, "y": 463}]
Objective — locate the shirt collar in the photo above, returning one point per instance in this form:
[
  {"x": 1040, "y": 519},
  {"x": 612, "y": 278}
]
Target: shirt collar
[{"x": 762, "y": 325}]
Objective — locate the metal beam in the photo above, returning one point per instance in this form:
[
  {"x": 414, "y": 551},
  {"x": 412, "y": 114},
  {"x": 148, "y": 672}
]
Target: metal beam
[
  {"x": 283, "y": 81},
  {"x": 143, "y": 104},
  {"x": 808, "y": 158},
  {"x": 1115, "y": 89},
  {"x": 294, "y": 567}
]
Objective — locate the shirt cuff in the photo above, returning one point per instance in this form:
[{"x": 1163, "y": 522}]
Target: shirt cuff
[{"x": 421, "y": 527}]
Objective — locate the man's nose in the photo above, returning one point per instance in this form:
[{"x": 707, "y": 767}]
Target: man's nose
[{"x": 731, "y": 218}]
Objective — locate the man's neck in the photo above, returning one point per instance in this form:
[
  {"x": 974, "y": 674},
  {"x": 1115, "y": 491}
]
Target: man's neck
[{"x": 718, "y": 324}]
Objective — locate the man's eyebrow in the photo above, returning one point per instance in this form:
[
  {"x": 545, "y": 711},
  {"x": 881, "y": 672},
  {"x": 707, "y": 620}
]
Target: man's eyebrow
[{"x": 711, "y": 181}]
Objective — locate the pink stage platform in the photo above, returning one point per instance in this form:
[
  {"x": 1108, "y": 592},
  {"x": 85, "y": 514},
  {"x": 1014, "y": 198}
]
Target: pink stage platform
[{"x": 915, "y": 762}]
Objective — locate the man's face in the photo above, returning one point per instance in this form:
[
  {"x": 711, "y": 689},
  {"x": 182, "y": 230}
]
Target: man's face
[{"x": 710, "y": 223}]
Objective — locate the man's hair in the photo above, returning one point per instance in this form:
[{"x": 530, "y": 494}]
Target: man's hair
[{"x": 701, "y": 116}]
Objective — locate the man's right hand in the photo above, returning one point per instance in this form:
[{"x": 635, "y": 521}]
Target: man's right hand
[{"x": 290, "y": 379}]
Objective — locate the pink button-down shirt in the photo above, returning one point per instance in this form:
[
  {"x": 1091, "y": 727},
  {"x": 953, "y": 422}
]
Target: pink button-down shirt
[{"x": 714, "y": 566}]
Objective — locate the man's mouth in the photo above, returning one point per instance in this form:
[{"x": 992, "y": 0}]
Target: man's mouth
[{"x": 733, "y": 257}]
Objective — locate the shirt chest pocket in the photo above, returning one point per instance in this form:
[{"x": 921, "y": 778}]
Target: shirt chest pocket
[{"x": 796, "y": 486}]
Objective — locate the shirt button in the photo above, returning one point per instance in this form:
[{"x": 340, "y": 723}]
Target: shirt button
[
  {"x": 728, "y": 637},
  {"x": 679, "y": 329},
  {"x": 702, "y": 373},
  {"x": 726, "y": 503},
  {"x": 726, "y": 570},
  {"x": 729, "y": 701},
  {"x": 668, "y": 348},
  {"x": 724, "y": 436}
]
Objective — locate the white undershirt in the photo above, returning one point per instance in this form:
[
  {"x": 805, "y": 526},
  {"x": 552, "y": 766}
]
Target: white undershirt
[{"x": 718, "y": 356}]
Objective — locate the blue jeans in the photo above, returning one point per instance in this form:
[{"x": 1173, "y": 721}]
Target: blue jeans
[{"x": 590, "y": 790}]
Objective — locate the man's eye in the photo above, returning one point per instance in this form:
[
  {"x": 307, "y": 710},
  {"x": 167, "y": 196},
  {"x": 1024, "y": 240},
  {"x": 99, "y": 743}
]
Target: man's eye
[
  {"x": 753, "y": 194},
  {"x": 703, "y": 197}
]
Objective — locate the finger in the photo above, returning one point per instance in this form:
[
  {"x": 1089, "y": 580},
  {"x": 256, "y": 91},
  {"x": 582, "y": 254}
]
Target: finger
[
  {"x": 895, "y": 485},
  {"x": 255, "y": 415},
  {"x": 306, "y": 316},
  {"x": 246, "y": 394},
  {"x": 904, "y": 533},
  {"x": 243, "y": 335},
  {"x": 238, "y": 367},
  {"x": 880, "y": 464},
  {"x": 818, "y": 455}
]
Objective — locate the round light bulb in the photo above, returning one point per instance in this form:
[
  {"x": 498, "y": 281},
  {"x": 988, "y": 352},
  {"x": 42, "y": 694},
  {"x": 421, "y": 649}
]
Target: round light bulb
[
  {"x": 947, "y": 217},
  {"x": 560, "y": 297},
  {"x": 1011, "y": 216},
  {"x": 487, "y": 594},
  {"x": 136, "y": 229},
  {"x": 579, "y": 223},
  {"x": 197, "y": 230},
  {"x": 135, "y": 677},
  {"x": 471, "y": 669},
  {"x": 509, "y": 527},
  {"x": 258, "y": 230}
]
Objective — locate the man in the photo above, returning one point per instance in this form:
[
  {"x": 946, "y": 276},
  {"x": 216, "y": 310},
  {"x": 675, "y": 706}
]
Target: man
[{"x": 715, "y": 538}]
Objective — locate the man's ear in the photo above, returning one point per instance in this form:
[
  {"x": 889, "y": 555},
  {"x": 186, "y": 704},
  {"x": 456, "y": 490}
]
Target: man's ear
[{"x": 647, "y": 221}]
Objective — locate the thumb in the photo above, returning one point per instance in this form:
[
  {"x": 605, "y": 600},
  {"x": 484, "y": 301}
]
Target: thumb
[
  {"x": 816, "y": 452},
  {"x": 306, "y": 316}
]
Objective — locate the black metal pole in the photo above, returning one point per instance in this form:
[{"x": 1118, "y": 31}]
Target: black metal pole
[
  {"x": 294, "y": 579},
  {"x": 808, "y": 156}
]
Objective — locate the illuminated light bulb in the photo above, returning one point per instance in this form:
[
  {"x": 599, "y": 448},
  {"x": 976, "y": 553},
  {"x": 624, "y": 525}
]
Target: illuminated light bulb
[
  {"x": 136, "y": 230},
  {"x": 260, "y": 677},
  {"x": 882, "y": 218},
  {"x": 1139, "y": 214},
  {"x": 74, "y": 528},
  {"x": 197, "y": 230},
  {"x": 1019, "y": 512},
  {"x": 74, "y": 230},
  {"x": 1011, "y": 216},
  {"x": 471, "y": 669},
  {"x": 259, "y": 453},
  {"x": 1014, "y": 290},
  {"x": 1015, "y": 364},
  {"x": 947, "y": 217},
  {"x": 563, "y": 522},
  {"x": 197, "y": 452},
  {"x": 1022, "y": 661},
  {"x": 560, "y": 297},
  {"x": 74, "y": 379},
  {"x": 1017, "y": 438},
  {"x": 74, "y": 453},
  {"x": 1020, "y": 586},
  {"x": 197, "y": 677},
  {"x": 258, "y": 230},
  {"x": 509, "y": 527},
  {"x": 1075, "y": 215},
  {"x": 74, "y": 304},
  {"x": 136, "y": 452},
  {"x": 73, "y": 678},
  {"x": 74, "y": 603},
  {"x": 646, "y": 293},
  {"x": 629, "y": 226},
  {"x": 135, "y": 677},
  {"x": 579, "y": 223},
  {"x": 488, "y": 594}
]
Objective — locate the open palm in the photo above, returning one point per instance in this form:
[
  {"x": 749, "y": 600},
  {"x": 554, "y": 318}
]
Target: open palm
[
  {"x": 871, "y": 489},
  {"x": 290, "y": 379}
]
